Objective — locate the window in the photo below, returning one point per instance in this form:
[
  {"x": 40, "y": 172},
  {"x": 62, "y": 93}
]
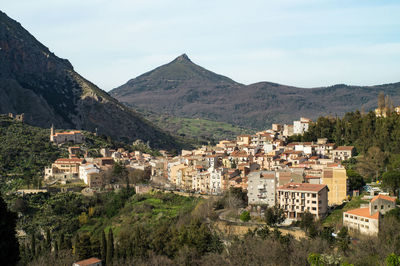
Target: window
[
  {"x": 314, "y": 202},
  {"x": 367, "y": 226},
  {"x": 314, "y": 195},
  {"x": 375, "y": 207},
  {"x": 382, "y": 207},
  {"x": 362, "y": 219},
  {"x": 367, "y": 220},
  {"x": 314, "y": 208},
  {"x": 351, "y": 216},
  {"x": 346, "y": 215}
]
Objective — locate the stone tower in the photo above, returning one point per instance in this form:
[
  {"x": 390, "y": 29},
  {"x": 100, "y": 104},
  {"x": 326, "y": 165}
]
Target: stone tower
[{"x": 52, "y": 133}]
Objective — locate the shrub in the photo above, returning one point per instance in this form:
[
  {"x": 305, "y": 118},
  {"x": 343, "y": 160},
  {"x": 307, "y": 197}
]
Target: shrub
[{"x": 245, "y": 216}]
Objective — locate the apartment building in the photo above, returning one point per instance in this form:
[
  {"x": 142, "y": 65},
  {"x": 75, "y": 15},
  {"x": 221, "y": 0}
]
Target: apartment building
[
  {"x": 261, "y": 188},
  {"x": 297, "y": 198}
]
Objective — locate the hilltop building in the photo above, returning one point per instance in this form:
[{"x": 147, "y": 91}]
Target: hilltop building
[{"x": 67, "y": 136}]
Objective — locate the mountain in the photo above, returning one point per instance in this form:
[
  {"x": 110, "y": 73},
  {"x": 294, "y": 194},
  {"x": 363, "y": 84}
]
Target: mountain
[
  {"x": 184, "y": 89},
  {"x": 48, "y": 91}
]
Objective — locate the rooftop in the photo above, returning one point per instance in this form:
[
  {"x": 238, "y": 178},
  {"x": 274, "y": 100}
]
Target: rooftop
[
  {"x": 380, "y": 196},
  {"x": 364, "y": 212},
  {"x": 302, "y": 187},
  {"x": 87, "y": 262}
]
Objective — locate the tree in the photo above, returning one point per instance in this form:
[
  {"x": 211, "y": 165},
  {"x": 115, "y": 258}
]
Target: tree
[
  {"x": 391, "y": 180},
  {"x": 9, "y": 247},
  {"x": 307, "y": 221},
  {"x": 103, "y": 246},
  {"x": 33, "y": 245},
  {"x": 48, "y": 240},
  {"x": 245, "y": 216},
  {"x": 356, "y": 181},
  {"x": 110, "y": 247},
  {"x": 84, "y": 246},
  {"x": 274, "y": 215},
  {"x": 315, "y": 259},
  {"x": 392, "y": 260},
  {"x": 343, "y": 239}
]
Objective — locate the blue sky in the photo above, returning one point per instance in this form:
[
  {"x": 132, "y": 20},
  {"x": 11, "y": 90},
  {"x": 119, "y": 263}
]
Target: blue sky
[{"x": 295, "y": 42}]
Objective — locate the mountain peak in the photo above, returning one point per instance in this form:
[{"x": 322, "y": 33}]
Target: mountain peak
[{"x": 183, "y": 57}]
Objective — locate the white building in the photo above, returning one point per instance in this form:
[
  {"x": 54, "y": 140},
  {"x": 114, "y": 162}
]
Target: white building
[
  {"x": 216, "y": 179},
  {"x": 85, "y": 170},
  {"x": 261, "y": 188},
  {"x": 366, "y": 219},
  {"x": 301, "y": 126}
]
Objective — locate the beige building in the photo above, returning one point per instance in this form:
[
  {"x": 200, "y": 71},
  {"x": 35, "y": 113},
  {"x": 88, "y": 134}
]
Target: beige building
[
  {"x": 336, "y": 180},
  {"x": 297, "y": 198},
  {"x": 63, "y": 168},
  {"x": 63, "y": 137},
  {"x": 366, "y": 220},
  {"x": 342, "y": 153}
]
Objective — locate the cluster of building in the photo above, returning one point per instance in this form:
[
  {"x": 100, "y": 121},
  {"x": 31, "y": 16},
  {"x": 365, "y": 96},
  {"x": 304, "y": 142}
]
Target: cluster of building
[
  {"x": 298, "y": 177},
  {"x": 80, "y": 167}
]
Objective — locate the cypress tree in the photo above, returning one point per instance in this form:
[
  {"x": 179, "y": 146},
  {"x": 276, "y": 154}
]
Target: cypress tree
[
  {"x": 103, "y": 246},
  {"x": 33, "y": 245},
  {"x": 56, "y": 249},
  {"x": 48, "y": 240},
  {"x": 9, "y": 247},
  {"x": 61, "y": 243},
  {"x": 110, "y": 247}
]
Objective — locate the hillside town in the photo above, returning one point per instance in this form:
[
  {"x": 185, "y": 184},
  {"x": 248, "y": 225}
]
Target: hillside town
[{"x": 298, "y": 177}]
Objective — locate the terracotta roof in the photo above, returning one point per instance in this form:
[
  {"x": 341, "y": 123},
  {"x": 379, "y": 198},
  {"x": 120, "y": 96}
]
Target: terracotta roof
[
  {"x": 302, "y": 187},
  {"x": 67, "y": 133},
  {"x": 364, "y": 212},
  {"x": 72, "y": 160},
  {"x": 88, "y": 262},
  {"x": 239, "y": 154},
  {"x": 345, "y": 148},
  {"x": 268, "y": 176},
  {"x": 380, "y": 196}
]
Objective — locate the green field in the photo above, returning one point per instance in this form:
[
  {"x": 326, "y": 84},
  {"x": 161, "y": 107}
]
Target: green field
[{"x": 199, "y": 130}]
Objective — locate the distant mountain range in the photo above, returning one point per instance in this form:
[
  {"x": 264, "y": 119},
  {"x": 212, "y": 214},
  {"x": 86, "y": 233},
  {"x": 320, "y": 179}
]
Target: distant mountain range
[
  {"x": 184, "y": 89},
  {"x": 48, "y": 91}
]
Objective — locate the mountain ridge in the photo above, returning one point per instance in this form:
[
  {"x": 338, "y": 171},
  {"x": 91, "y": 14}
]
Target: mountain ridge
[
  {"x": 46, "y": 88},
  {"x": 204, "y": 94}
]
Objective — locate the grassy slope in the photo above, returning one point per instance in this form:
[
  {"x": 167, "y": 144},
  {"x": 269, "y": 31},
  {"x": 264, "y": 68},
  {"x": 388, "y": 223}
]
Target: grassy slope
[
  {"x": 148, "y": 209},
  {"x": 200, "y": 130},
  {"x": 336, "y": 217}
]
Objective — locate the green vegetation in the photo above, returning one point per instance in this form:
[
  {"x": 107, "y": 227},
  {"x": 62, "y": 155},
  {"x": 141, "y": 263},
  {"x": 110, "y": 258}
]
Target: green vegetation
[
  {"x": 9, "y": 251},
  {"x": 245, "y": 216},
  {"x": 200, "y": 131},
  {"x": 24, "y": 152}
]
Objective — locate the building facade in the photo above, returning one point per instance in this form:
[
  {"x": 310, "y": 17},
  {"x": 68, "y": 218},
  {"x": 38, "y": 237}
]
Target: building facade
[
  {"x": 297, "y": 198},
  {"x": 261, "y": 188}
]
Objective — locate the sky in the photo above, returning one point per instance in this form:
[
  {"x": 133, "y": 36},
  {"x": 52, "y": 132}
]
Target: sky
[{"x": 304, "y": 43}]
